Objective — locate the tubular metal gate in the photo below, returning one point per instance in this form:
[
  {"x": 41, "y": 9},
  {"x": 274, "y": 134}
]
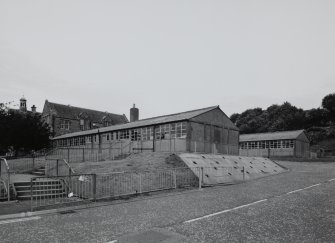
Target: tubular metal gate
[{"x": 53, "y": 190}]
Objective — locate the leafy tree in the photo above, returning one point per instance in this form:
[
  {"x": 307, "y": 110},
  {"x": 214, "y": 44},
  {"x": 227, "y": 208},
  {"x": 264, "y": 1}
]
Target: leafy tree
[
  {"x": 251, "y": 120},
  {"x": 234, "y": 117},
  {"x": 22, "y": 131},
  {"x": 328, "y": 102},
  {"x": 319, "y": 122}
]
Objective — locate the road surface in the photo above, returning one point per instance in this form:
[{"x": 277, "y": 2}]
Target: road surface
[{"x": 296, "y": 206}]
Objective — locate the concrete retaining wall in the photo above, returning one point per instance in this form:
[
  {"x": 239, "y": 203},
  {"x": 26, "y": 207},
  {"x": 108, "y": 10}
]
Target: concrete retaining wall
[{"x": 229, "y": 169}]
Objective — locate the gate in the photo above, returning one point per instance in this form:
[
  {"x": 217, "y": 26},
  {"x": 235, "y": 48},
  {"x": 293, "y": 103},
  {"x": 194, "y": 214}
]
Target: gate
[{"x": 60, "y": 190}]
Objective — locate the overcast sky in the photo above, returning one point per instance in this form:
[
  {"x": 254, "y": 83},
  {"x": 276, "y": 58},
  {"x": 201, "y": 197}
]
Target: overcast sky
[{"x": 167, "y": 56}]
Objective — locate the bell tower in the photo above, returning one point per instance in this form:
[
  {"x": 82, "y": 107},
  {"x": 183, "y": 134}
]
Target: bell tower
[{"x": 23, "y": 104}]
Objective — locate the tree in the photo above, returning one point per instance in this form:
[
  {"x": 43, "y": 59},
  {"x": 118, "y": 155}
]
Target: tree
[
  {"x": 251, "y": 120},
  {"x": 22, "y": 131},
  {"x": 328, "y": 103},
  {"x": 234, "y": 117}
]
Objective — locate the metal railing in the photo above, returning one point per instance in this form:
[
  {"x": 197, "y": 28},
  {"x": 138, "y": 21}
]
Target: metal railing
[
  {"x": 59, "y": 190},
  {"x": 87, "y": 154},
  {"x": 5, "y": 176},
  {"x": 89, "y": 187},
  {"x": 132, "y": 183},
  {"x": 25, "y": 164},
  {"x": 58, "y": 167},
  {"x": 3, "y": 190}
]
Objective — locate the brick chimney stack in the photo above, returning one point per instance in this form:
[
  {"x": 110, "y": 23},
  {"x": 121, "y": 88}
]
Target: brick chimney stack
[
  {"x": 33, "y": 109},
  {"x": 134, "y": 114}
]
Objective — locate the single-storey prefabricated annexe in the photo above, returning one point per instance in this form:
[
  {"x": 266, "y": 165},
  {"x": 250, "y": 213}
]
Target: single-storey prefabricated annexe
[
  {"x": 207, "y": 130},
  {"x": 275, "y": 144}
]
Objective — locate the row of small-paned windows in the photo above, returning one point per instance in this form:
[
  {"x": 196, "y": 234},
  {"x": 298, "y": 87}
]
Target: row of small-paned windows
[
  {"x": 65, "y": 124},
  {"x": 272, "y": 144},
  {"x": 167, "y": 131}
]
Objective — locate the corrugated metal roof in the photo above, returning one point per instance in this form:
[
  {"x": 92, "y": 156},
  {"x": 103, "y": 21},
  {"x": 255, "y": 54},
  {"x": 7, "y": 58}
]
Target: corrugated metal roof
[
  {"x": 270, "y": 136},
  {"x": 142, "y": 123}
]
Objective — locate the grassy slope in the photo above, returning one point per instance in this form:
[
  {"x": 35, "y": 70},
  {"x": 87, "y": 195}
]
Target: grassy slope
[{"x": 135, "y": 162}]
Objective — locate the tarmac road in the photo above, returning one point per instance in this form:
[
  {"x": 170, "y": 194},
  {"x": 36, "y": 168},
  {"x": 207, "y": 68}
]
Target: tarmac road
[{"x": 297, "y": 206}]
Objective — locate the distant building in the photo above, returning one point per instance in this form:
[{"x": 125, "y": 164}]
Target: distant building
[
  {"x": 23, "y": 107},
  {"x": 206, "y": 130},
  {"x": 64, "y": 119},
  {"x": 280, "y": 144}
]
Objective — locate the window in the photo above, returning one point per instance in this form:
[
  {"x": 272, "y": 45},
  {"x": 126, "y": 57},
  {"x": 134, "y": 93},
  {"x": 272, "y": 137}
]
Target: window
[
  {"x": 65, "y": 124},
  {"x": 147, "y": 133},
  {"x": 124, "y": 134},
  {"x": 173, "y": 130},
  {"x": 135, "y": 134},
  {"x": 82, "y": 140},
  {"x": 82, "y": 124},
  {"x": 158, "y": 132},
  {"x": 106, "y": 123},
  {"x": 291, "y": 143},
  {"x": 75, "y": 141},
  {"x": 165, "y": 131},
  {"x": 243, "y": 145},
  {"x": 181, "y": 129}
]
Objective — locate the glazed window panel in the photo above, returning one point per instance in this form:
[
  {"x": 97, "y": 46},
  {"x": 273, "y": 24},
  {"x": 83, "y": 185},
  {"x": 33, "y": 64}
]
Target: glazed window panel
[
  {"x": 158, "y": 132},
  {"x": 65, "y": 124},
  {"x": 147, "y": 133},
  {"x": 124, "y": 134},
  {"x": 291, "y": 143},
  {"x": 81, "y": 140},
  {"x": 173, "y": 130},
  {"x": 181, "y": 129},
  {"x": 135, "y": 134},
  {"x": 144, "y": 134}
]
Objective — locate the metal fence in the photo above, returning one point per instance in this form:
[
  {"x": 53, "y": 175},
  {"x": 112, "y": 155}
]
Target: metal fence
[
  {"x": 25, "y": 164},
  {"x": 3, "y": 190},
  {"x": 130, "y": 183},
  {"x": 57, "y": 167},
  {"x": 59, "y": 190},
  {"x": 5, "y": 174}
]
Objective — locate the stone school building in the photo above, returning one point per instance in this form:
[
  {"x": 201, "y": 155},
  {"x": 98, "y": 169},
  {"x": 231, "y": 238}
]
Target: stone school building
[
  {"x": 206, "y": 130},
  {"x": 63, "y": 119}
]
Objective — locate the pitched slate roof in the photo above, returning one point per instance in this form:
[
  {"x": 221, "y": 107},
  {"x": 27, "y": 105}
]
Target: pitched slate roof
[
  {"x": 270, "y": 136},
  {"x": 145, "y": 122},
  {"x": 72, "y": 112}
]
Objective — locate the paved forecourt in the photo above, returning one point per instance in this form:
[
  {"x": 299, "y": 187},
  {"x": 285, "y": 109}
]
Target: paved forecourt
[{"x": 292, "y": 206}]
